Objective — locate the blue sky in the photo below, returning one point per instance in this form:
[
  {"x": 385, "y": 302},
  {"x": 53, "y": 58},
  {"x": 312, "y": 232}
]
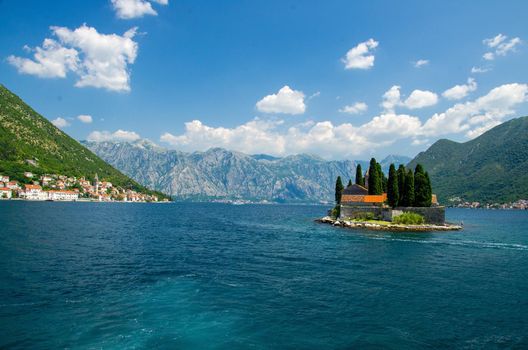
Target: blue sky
[{"x": 270, "y": 77}]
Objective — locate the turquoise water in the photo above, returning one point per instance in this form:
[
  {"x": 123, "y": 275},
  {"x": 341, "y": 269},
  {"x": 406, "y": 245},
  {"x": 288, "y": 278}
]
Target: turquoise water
[{"x": 216, "y": 276}]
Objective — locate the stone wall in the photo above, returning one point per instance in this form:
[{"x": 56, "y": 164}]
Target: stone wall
[{"x": 432, "y": 215}]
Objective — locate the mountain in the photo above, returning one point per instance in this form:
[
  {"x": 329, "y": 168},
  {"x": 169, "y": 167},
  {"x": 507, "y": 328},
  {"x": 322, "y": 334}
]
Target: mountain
[
  {"x": 490, "y": 168},
  {"x": 219, "y": 173},
  {"x": 29, "y": 142},
  {"x": 223, "y": 174}
]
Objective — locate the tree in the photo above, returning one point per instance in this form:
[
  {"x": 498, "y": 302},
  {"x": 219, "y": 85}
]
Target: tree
[
  {"x": 349, "y": 183},
  {"x": 338, "y": 190},
  {"x": 401, "y": 183},
  {"x": 408, "y": 192},
  {"x": 375, "y": 184},
  {"x": 429, "y": 190},
  {"x": 383, "y": 179},
  {"x": 360, "y": 180},
  {"x": 393, "y": 195},
  {"x": 422, "y": 197}
]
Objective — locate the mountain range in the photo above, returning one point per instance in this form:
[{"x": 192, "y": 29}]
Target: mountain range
[
  {"x": 29, "y": 142},
  {"x": 490, "y": 168},
  {"x": 222, "y": 174}
]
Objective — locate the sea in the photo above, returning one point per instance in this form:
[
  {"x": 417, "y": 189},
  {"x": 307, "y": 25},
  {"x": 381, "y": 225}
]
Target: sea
[{"x": 220, "y": 276}]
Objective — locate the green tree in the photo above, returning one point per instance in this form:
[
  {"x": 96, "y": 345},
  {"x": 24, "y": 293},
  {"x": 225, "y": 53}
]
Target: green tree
[
  {"x": 383, "y": 178},
  {"x": 393, "y": 195},
  {"x": 408, "y": 192},
  {"x": 422, "y": 195},
  {"x": 338, "y": 190},
  {"x": 375, "y": 184},
  {"x": 429, "y": 190},
  {"x": 360, "y": 180},
  {"x": 349, "y": 183},
  {"x": 401, "y": 183}
]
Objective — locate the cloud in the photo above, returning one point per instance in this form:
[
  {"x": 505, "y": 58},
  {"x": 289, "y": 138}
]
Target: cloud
[
  {"x": 84, "y": 118},
  {"x": 475, "y": 117},
  {"x": 60, "y": 122},
  {"x": 479, "y": 70},
  {"x": 340, "y": 141},
  {"x": 286, "y": 101},
  {"x": 52, "y": 60},
  {"x": 360, "y": 56},
  {"x": 460, "y": 91},
  {"x": 356, "y": 108},
  {"x": 98, "y": 60},
  {"x": 500, "y": 46},
  {"x": 421, "y": 63},
  {"x": 271, "y": 137},
  {"x": 119, "y": 135},
  {"x": 417, "y": 99},
  {"x": 128, "y": 9},
  {"x": 421, "y": 99}
]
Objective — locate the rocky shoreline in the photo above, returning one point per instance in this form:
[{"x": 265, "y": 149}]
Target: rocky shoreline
[{"x": 388, "y": 226}]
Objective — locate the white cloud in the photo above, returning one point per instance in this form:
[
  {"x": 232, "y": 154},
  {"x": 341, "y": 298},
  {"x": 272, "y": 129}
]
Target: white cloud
[
  {"x": 460, "y": 91},
  {"x": 421, "y": 63},
  {"x": 270, "y": 137},
  {"x": 285, "y": 101},
  {"x": 479, "y": 70},
  {"x": 84, "y": 118},
  {"x": 495, "y": 41},
  {"x": 500, "y": 46},
  {"x": 119, "y": 135},
  {"x": 127, "y": 9},
  {"x": 417, "y": 99},
  {"x": 339, "y": 141},
  {"x": 421, "y": 99},
  {"x": 99, "y": 60},
  {"x": 356, "y": 108},
  {"x": 52, "y": 60},
  {"x": 360, "y": 56},
  {"x": 60, "y": 122},
  {"x": 475, "y": 117}
]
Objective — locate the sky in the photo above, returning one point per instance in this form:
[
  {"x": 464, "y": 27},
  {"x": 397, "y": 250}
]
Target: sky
[{"x": 339, "y": 79}]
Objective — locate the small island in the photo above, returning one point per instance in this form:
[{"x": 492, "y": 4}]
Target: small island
[{"x": 402, "y": 202}]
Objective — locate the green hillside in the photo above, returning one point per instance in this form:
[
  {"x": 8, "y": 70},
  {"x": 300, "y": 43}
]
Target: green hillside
[
  {"x": 26, "y": 135},
  {"x": 491, "y": 168}
]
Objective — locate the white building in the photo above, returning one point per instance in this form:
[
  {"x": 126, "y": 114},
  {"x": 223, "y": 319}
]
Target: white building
[
  {"x": 34, "y": 192},
  {"x": 63, "y": 195},
  {"x": 5, "y": 193}
]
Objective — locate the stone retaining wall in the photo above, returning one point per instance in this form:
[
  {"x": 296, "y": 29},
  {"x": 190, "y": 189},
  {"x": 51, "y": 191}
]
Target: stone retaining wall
[{"x": 432, "y": 215}]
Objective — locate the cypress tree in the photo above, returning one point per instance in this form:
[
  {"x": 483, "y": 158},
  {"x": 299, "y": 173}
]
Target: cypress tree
[
  {"x": 392, "y": 187},
  {"x": 360, "y": 180},
  {"x": 429, "y": 190},
  {"x": 401, "y": 183},
  {"x": 375, "y": 178},
  {"x": 349, "y": 183},
  {"x": 420, "y": 192},
  {"x": 383, "y": 184},
  {"x": 338, "y": 190},
  {"x": 408, "y": 196}
]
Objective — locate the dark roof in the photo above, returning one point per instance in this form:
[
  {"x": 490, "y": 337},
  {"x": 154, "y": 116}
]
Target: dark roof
[{"x": 355, "y": 190}]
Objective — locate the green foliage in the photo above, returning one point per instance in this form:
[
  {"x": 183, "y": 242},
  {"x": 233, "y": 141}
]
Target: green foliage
[
  {"x": 364, "y": 216},
  {"x": 349, "y": 183},
  {"x": 338, "y": 190},
  {"x": 490, "y": 168},
  {"x": 409, "y": 218},
  {"x": 375, "y": 180},
  {"x": 336, "y": 211},
  {"x": 408, "y": 190},
  {"x": 422, "y": 188},
  {"x": 360, "y": 180},
  {"x": 401, "y": 183},
  {"x": 393, "y": 194},
  {"x": 25, "y": 134}
]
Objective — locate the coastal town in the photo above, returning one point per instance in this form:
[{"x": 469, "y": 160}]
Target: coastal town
[
  {"x": 56, "y": 187},
  {"x": 521, "y": 204}
]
